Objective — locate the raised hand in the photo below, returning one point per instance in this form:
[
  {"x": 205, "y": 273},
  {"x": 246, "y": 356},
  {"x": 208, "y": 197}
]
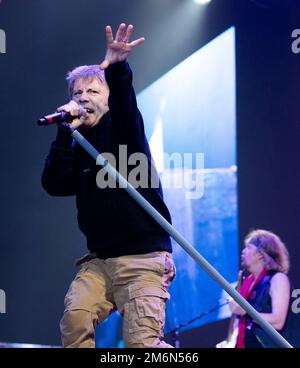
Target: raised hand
[{"x": 119, "y": 48}]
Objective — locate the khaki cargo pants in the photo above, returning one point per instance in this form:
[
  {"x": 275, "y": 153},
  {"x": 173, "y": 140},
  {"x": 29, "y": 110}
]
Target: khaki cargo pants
[{"x": 134, "y": 285}]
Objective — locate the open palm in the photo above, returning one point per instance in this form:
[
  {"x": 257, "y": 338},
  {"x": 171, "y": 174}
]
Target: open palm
[{"x": 119, "y": 48}]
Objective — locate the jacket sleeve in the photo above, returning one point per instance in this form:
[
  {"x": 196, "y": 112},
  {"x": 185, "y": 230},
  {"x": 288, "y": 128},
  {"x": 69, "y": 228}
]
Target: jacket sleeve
[
  {"x": 126, "y": 117},
  {"x": 59, "y": 174}
]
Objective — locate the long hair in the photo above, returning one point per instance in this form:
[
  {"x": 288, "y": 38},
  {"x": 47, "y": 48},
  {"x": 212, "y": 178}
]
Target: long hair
[{"x": 274, "y": 251}]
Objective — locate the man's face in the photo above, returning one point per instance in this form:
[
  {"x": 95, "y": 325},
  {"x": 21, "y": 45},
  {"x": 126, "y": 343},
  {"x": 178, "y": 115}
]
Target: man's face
[{"x": 91, "y": 94}]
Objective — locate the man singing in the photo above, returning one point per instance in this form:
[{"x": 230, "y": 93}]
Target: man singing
[{"x": 129, "y": 266}]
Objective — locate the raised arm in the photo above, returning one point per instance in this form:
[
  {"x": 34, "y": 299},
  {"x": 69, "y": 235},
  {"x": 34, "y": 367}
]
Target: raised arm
[{"x": 127, "y": 119}]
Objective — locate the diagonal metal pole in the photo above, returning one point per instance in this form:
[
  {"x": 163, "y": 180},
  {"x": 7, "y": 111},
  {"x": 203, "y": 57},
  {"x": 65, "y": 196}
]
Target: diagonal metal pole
[{"x": 123, "y": 183}]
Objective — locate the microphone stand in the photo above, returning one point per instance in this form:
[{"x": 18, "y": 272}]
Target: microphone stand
[
  {"x": 175, "y": 331},
  {"x": 189, "y": 248}
]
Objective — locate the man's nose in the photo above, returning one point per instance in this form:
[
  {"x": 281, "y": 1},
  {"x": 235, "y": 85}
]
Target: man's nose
[{"x": 83, "y": 97}]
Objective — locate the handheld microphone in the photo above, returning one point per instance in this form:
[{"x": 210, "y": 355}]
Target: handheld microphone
[{"x": 59, "y": 117}]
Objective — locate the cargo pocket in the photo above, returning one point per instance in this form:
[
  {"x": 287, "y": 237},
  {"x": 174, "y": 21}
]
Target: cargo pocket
[{"x": 144, "y": 315}]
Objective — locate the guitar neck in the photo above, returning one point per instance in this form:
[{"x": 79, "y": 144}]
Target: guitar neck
[{"x": 233, "y": 317}]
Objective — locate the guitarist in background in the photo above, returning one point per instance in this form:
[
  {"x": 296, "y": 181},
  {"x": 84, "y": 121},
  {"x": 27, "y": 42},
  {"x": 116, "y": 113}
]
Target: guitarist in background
[{"x": 267, "y": 288}]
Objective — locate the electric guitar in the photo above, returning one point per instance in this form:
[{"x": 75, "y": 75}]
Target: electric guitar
[{"x": 231, "y": 339}]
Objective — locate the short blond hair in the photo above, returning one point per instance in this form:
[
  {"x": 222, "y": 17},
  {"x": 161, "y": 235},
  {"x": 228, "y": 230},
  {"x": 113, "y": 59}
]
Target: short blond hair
[{"x": 274, "y": 251}]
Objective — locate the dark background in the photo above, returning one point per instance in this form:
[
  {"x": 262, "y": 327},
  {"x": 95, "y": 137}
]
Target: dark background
[{"x": 39, "y": 236}]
